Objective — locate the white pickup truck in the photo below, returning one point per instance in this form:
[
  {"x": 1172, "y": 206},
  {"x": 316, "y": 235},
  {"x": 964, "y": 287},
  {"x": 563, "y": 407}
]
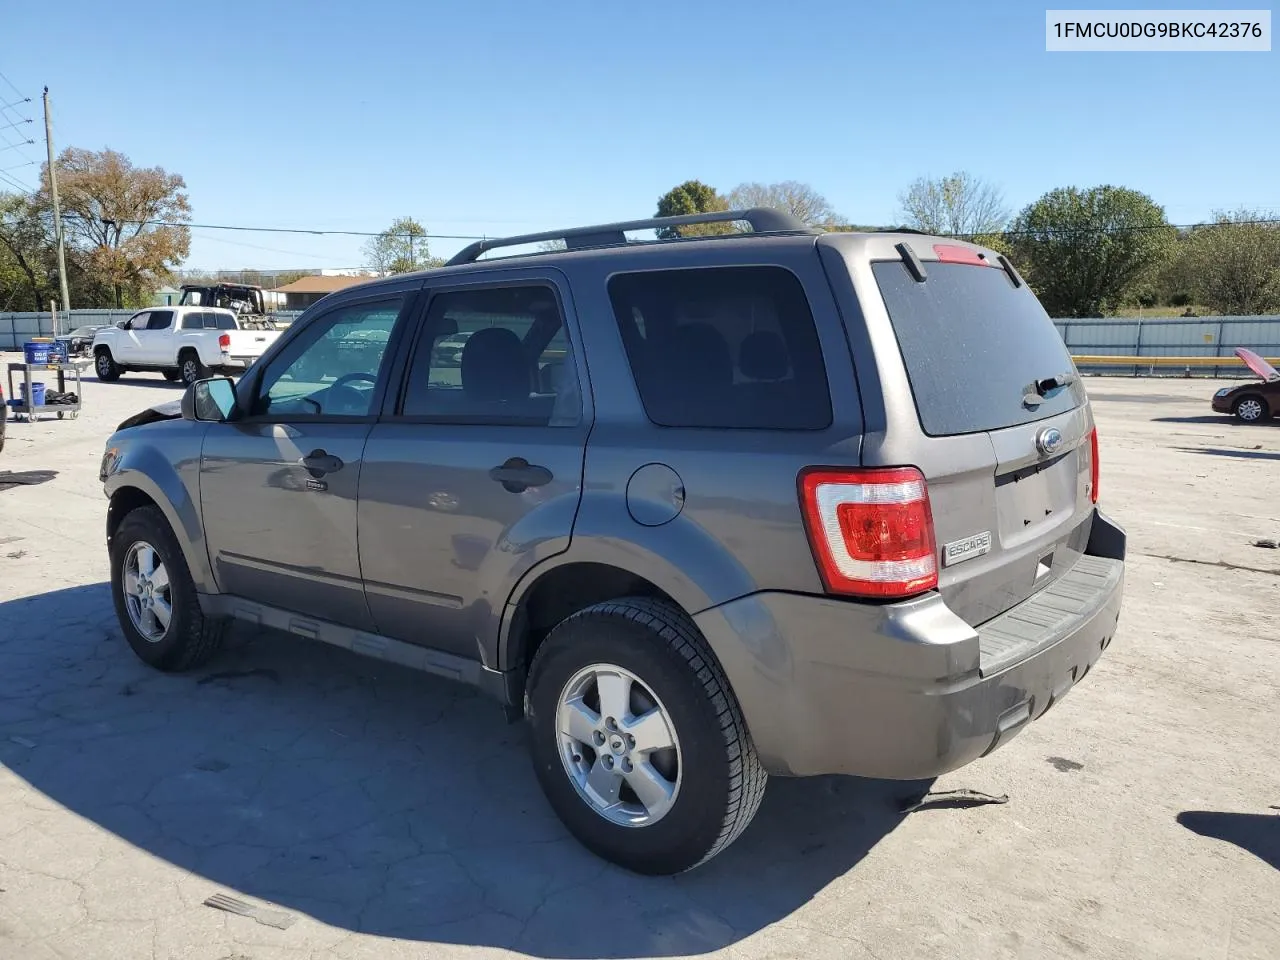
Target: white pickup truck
[{"x": 183, "y": 343}]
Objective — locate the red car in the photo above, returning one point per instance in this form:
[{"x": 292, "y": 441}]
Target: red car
[{"x": 1251, "y": 402}]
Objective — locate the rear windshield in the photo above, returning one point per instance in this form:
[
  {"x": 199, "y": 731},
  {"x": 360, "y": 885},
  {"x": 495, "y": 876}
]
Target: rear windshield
[{"x": 972, "y": 344}]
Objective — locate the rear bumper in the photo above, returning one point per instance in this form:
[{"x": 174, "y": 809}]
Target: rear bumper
[{"x": 899, "y": 691}]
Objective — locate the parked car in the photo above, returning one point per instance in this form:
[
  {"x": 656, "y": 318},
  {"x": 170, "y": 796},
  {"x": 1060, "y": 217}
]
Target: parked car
[
  {"x": 1251, "y": 402},
  {"x": 186, "y": 343},
  {"x": 697, "y": 511},
  {"x": 79, "y": 342}
]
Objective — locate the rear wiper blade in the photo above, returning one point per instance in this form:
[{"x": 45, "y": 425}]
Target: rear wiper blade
[
  {"x": 1053, "y": 383},
  {"x": 1035, "y": 392}
]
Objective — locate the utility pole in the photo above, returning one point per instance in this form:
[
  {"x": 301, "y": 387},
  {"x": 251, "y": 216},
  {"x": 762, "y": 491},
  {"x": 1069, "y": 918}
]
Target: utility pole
[{"x": 57, "y": 211}]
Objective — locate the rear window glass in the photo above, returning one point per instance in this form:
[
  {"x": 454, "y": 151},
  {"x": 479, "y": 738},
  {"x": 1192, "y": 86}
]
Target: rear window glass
[
  {"x": 723, "y": 347},
  {"x": 972, "y": 344}
]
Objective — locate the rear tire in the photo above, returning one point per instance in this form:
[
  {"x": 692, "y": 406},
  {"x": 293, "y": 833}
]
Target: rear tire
[
  {"x": 709, "y": 780},
  {"x": 105, "y": 366},
  {"x": 1252, "y": 408},
  {"x": 190, "y": 369},
  {"x": 149, "y": 574}
]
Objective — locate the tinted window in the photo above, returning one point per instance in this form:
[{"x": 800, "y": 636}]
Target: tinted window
[
  {"x": 160, "y": 320},
  {"x": 497, "y": 355},
  {"x": 972, "y": 344},
  {"x": 723, "y": 347},
  {"x": 333, "y": 367},
  {"x": 193, "y": 321},
  {"x": 220, "y": 321}
]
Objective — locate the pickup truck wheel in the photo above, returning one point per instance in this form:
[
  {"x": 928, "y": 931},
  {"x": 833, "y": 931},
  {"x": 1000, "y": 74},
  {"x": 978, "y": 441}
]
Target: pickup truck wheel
[
  {"x": 155, "y": 597},
  {"x": 105, "y": 366},
  {"x": 191, "y": 369},
  {"x": 637, "y": 739}
]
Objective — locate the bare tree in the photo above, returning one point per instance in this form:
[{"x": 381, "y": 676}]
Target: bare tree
[
  {"x": 798, "y": 199},
  {"x": 960, "y": 204}
]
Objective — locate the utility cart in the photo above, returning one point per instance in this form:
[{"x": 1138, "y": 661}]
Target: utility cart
[{"x": 22, "y": 403}]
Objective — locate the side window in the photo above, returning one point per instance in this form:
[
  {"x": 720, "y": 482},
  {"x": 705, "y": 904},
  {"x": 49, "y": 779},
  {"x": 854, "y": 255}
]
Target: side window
[
  {"x": 332, "y": 368},
  {"x": 723, "y": 347},
  {"x": 138, "y": 321},
  {"x": 220, "y": 321},
  {"x": 496, "y": 355},
  {"x": 160, "y": 320},
  {"x": 192, "y": 320}
]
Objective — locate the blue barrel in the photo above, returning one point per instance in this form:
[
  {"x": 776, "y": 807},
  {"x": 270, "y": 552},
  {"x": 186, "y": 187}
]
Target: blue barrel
[
  {"x": 37, "y": 392},
  {"x": 36, "y": 353}
]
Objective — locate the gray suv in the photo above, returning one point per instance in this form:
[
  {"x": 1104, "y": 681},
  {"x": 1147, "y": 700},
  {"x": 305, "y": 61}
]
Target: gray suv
[{"x": 697, "y": 510}]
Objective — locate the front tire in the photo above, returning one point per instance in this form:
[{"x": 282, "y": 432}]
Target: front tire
[
  {"x": 155, "y": 597},
  {"x": 191, "y": 369},
  {"x": 1251, "y": 409},
  {"x": 106, "y": 367},
  {"x": 637, "y": 739}
]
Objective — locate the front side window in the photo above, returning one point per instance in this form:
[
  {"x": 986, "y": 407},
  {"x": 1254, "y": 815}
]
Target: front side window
[
  {"x": 160, "y": 320},
  {"x": 495, "y": 355},
  {"x": 332, "y": 368},
  {"x": 723, "y": 348}
]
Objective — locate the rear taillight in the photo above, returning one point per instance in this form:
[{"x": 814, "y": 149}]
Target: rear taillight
[
  {"x": 1093, "y": 464},
  {"x": 871, "y": 530},
  {"x": 224, "y": 342}
]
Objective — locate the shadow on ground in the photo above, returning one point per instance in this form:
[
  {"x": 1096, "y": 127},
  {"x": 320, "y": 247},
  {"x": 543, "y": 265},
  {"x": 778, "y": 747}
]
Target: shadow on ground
[
  {"x": 1258, "y": 833},
  {"x": 1233, "y": 454},
  {"x": 376, "y": 799},
  {"x": 1220, "y": 419}
]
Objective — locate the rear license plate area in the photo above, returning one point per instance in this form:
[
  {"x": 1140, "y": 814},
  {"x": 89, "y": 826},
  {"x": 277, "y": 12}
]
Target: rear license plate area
[{"x": 1031, "y": 496}]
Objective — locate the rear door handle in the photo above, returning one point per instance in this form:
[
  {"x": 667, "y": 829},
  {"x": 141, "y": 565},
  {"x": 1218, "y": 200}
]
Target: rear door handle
[
  {"x": 318, "y": 463},
  {"x": 518, "y": 475}
]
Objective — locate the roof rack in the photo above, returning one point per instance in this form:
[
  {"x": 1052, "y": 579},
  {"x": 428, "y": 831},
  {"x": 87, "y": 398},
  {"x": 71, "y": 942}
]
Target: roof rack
[{"x": 762, "y": 220}]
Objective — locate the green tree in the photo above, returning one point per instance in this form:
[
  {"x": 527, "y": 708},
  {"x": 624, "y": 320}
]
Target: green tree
[
  {"x": 959, "y": 205},
  {"x": 1081, "y": 250},
  {"x": 1233, "y": 265},
  {"x": 692, "y": 196},
  {"x": 401, "y": 248},
  {"x": 25, "y": 254},
  {"x": 126, "y": 223}
]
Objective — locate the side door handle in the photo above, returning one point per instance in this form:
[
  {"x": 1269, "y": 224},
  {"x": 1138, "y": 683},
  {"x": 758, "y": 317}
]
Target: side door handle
[
  {"x": 518, "y": 475},
  {"x": 318, "y": 463}
]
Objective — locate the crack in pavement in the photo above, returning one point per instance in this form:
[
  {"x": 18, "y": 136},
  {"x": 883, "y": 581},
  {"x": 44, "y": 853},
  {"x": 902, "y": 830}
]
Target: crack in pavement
[{"x": 1223, "y": 564}]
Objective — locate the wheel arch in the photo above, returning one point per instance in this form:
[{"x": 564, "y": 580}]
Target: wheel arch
[{"x": 141, "y": 478}]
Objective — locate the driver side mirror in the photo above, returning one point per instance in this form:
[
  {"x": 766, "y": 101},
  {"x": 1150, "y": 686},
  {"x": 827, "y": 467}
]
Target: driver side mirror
[{"x": 211, "y": 401}]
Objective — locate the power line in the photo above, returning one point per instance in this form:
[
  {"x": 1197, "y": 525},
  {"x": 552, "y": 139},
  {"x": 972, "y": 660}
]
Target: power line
[
  {"x": 12, "y": 87},
  {"x": 299, "y": 230},
  {"x": 457, "y": 236},
  {"x": 1054, "y": 231}
]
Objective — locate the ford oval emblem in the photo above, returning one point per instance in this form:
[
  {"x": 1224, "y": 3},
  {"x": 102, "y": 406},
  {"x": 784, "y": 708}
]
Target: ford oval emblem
[{"x": 1049, "y": 440}]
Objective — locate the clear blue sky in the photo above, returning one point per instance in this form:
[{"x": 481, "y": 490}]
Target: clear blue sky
[{"x": 500, "y": 117}]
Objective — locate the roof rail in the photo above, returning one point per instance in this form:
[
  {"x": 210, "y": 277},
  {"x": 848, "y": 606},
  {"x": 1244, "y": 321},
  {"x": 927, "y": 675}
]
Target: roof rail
[{"x": 762, "y": 220}]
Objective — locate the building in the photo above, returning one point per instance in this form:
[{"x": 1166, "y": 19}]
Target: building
[
  {"x": 166, "y": 296},
  {"x": 305, "y": 291}
]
